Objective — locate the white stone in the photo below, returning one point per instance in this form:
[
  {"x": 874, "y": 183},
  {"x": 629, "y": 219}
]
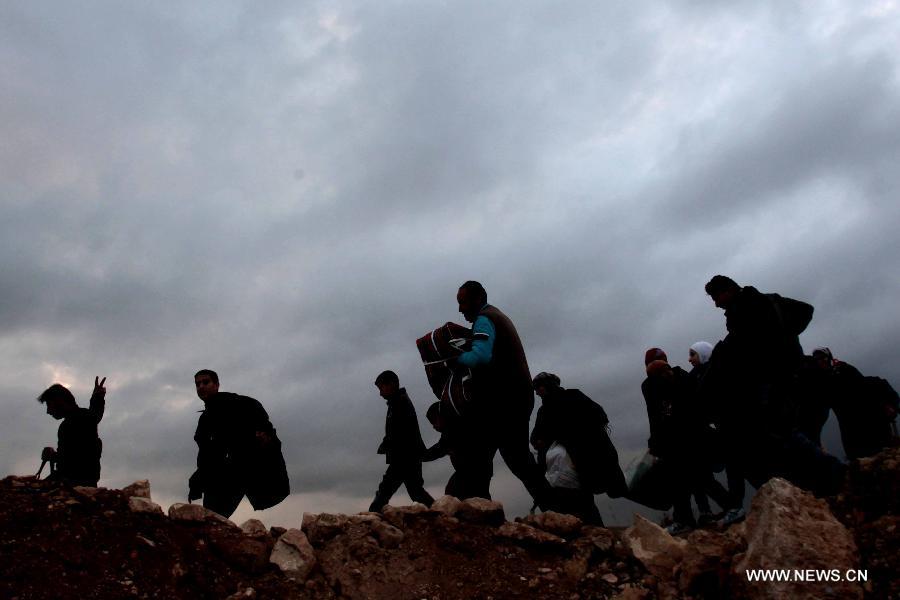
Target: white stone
[
  {"x": 294, "y": 555},
  {"x": 654, "y": 547}
]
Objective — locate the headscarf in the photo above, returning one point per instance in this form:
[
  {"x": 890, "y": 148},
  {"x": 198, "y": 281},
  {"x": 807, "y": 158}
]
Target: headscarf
[
  {"x": 703, "y": 350},
  {"x": 658, "y": 368},
  {"x": 654, "y": 354}
]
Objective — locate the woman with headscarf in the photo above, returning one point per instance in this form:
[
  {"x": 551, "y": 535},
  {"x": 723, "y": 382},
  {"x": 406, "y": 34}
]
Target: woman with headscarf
[
  {"x": 712, "y": 452},
  {"x": 698, "y": 355},
  {"x": 679, "y": 436}
]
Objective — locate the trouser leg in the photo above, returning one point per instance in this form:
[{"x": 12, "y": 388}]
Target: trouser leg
[
  {"x": 734, "y": 450},
  {"x": 415, "y": 485},
  {"x": 681, "y": 503},
  {"x": 719, "y": 494},
  {"x": 702, "y": 500},
  {"x": 515, "y": 450},
  {"x": 474, "y": 469},
  {"x": 390, "y": 483},
  {"x": 579, "y": 503},
  {"x": 681, "y": 484},
  {"x": 734, "y": 474}
]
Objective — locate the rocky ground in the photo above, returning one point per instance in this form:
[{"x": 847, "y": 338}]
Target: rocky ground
[{"x": 62, "y": 542}]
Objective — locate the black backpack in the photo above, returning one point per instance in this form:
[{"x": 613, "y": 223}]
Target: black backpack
[{"x": 596, "y": 455}]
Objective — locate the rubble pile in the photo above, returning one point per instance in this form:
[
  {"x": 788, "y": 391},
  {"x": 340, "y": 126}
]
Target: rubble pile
[
  {"x": 870, "y": 507},
  {"x": 61, "y": 542}
]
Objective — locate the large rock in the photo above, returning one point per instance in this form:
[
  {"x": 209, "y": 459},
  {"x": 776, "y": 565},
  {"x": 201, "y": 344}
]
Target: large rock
[
  {"x": 526, "y": 535},
  {"x": 481, "y": 511},
  {"x": 364, "y": 517},
  {"x": 140, "y": 504},
  {"x": 138, "y": 489},
  {"x": 294, "y": 555},
  {"x": 706, "y": 567},
  {"x": 448, "y": 505},
  {"x": 789, "y": 529},
  {"x": 402, "y": 516},
  {"x": 872, "y": 489},
  {"x": 659, "y": 552},
  {"x": 254, "y": 528},
  {"x": 249, "y": 554},
  {"x": 195, "y": 512},
  {"x": 321, "y": 527},
  {"x": 553, "y": 522}
]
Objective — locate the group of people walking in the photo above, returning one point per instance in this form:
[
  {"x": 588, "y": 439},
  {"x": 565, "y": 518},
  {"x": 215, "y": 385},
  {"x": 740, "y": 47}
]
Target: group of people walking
[{"x": 753, "y": 404}]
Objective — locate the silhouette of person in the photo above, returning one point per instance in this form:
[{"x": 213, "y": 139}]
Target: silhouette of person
[
  {"x": 572, "y": 442},
  {"x": 865, "y": 407},
  {"x": 238, "y": 454},
  {"x": 751, "y": 376},
  {"x": 402, "y": 445},
  {"x": 708, "y": 440},
  {"x": 76, "y": 458},
  {"x": 466, "y": 481},
  {"x": 504, "y": 392}
]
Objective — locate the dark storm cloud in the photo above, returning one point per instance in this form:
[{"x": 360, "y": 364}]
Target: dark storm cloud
[
  {"x": 292, "y": 194},
  {"x": 835, "y": 122}
]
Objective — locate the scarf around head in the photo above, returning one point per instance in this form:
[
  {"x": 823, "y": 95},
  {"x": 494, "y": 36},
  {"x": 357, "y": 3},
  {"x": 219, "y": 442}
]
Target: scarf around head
[{"x": 703, "y": 350}]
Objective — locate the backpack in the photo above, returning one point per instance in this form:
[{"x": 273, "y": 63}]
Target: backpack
[
  {"x": 878, "y": 392},
  {"x": 594, "y": 454},
  {"x": 794, "y": 315}
]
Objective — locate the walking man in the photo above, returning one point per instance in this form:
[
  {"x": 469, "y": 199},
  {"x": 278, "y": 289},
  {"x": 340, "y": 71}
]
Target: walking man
[
  {"x": 402, "y": 445},
  {"x": 504, "y": 392},
  {"x": 238, "y": 454}
]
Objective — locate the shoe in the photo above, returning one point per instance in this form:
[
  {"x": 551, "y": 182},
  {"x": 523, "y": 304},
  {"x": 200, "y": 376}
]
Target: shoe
[
  {"x": 735, "y": 515},
  {"x": 706, "y": 518},
  {"x": 677, "y": 528}
]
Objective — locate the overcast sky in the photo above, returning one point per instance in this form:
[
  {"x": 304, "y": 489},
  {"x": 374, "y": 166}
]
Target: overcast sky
[{"x": 290, "y": 193}]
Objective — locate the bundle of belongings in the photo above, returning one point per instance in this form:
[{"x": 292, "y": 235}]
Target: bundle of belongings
[
  {"x": 452, "y": 386},
  {"x": 649, "y": 482}
]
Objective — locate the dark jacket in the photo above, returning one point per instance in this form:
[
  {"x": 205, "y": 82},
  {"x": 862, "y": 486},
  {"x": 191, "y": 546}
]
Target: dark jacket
[
  {"x": 506, "y": 379},
  {"x": 812, "y": 395},
  {"x": 579, "y": 424},
  {"x": 751, "y": 370},
  {"x": 79, "y": 447},
  {"x": 672, "y": 411},
  {"x": 402, "y": 439},
  {"x": 762, "y": 342},
  {"x": 231, "y": 455}
]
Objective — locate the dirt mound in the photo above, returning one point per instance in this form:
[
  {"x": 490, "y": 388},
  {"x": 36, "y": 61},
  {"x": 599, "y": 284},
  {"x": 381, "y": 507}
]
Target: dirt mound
[
  {"x": 98, "y": 543},
  {"x": 60, "y": 542}
]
